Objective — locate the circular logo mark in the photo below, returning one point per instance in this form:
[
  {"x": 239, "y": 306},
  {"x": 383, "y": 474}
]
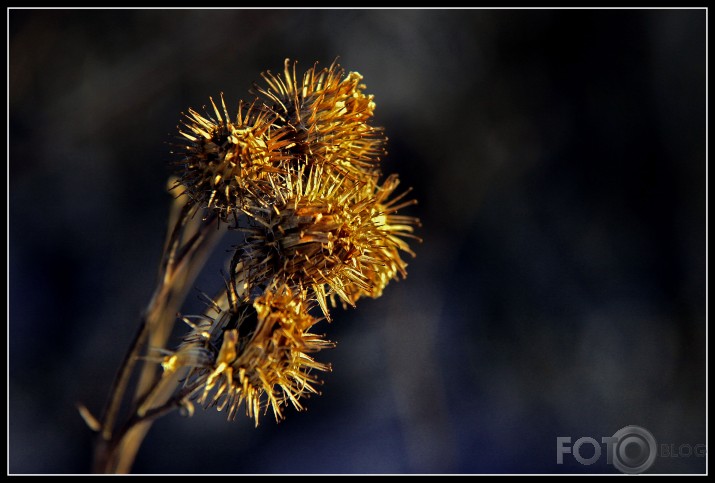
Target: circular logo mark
[{"x": 635, "y": 449}]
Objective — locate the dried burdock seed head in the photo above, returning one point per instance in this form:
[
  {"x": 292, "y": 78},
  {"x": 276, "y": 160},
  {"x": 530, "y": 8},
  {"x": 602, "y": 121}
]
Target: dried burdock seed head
[
  {"x": 259, "y": 356},
  {"x": 327, "y": 234},
  {"x": 327, "y": 115},
  {"x": 225, "y": 159}
]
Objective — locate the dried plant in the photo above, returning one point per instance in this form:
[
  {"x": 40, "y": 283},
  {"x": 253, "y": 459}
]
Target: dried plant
[{"x": 298, "y": 172}]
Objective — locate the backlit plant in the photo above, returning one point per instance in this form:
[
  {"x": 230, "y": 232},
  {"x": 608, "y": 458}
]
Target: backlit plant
[{"x": 295, "y": 172}]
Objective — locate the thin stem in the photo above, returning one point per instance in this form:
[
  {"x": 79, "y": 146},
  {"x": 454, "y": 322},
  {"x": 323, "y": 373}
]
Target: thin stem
[
  {"x": 186, "y": 249},
  {"x": 182, "y": 262},
  {"x": 121, "y": 381},
  {"x": 119, "y": 385},
  {"x": 156, "y": 412}
]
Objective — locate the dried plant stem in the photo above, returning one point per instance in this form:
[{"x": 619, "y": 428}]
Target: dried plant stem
[
  {"x": 122, "y": 380},
  {"x": 131, "y": 435},
  {"x": 189, "y": 242}
]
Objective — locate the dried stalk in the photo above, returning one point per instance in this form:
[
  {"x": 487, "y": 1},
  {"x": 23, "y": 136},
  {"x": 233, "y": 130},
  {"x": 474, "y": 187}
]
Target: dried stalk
[{"x": 190, "y": 240}]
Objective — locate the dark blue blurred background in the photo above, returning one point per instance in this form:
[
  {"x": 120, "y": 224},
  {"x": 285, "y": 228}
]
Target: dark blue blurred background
[{"x": 559, "y": 161}]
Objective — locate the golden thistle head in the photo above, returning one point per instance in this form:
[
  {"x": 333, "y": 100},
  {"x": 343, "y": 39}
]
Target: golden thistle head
[
  {"x": 325, "y": 233},
  {"x": 225, "y": 158},
  {"x": 326, "y": 113},
  {"x": 260, "y": 357}
]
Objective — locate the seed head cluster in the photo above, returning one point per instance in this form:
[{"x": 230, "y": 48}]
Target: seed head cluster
[{"x": 297, "y": 170}]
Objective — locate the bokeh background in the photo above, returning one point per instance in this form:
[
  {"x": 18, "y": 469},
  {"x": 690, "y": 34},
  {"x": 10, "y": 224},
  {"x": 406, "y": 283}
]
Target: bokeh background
[{"x": 559, "y": 161}]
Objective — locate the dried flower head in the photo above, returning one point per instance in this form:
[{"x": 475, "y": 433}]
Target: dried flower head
[
  {"x": 260, "y": 357},
  {"x": 330, "y": 235},
  {"x": 226, "y": 158},
  {"x": 327, "y": 115}
]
